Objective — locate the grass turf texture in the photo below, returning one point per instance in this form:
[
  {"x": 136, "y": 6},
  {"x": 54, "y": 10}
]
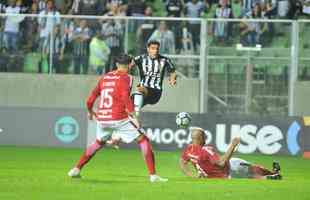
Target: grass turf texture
[{"x": 31, "y": 173}]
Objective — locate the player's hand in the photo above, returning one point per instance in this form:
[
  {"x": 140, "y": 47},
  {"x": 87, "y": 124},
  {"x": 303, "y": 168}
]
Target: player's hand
[
  {"x": 92, "y": 115},
  {"x": 236, "y": 141},
  {"x": 114, "y": 143},
  {"x": 142, "y": 89},
  {"x": 173, "y": 81},
  {"x": 200, "y": 175}
]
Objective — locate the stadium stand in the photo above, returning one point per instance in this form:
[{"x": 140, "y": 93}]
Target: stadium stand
[{"x": 227, "y": 68}]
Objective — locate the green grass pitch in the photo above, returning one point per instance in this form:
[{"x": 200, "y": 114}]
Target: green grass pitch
[{"x": 32, "y": 173}]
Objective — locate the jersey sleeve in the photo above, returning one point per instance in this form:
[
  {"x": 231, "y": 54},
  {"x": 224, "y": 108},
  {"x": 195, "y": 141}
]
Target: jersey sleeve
[
  {"x": 94, "y": 94},
  {"x": 125, "y": 84},
  {"x": 170, "y": 66}
]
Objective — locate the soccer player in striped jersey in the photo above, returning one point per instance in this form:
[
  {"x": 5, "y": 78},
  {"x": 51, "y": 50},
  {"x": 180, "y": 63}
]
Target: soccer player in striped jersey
[
  {"x": 116, "y": 118},
  {"x": 152, "y": 67}
]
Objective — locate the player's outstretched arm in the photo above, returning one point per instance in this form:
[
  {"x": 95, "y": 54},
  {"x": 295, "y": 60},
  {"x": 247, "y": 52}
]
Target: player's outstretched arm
[
  {"x": 231, "y": 149},
  {"x": 185, "y": 168}
]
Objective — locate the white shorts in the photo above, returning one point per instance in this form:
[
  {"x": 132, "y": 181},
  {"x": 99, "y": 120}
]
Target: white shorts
[
  {"x": 239, "y": 168},
  {"x": 123, "y": 129}
]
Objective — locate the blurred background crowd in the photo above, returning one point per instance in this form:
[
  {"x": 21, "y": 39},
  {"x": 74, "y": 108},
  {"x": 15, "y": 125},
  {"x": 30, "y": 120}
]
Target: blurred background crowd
[{"x": 88, "y": 46}]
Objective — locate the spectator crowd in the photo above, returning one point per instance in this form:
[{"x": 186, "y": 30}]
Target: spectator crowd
[{"x": 89, "y": 45}]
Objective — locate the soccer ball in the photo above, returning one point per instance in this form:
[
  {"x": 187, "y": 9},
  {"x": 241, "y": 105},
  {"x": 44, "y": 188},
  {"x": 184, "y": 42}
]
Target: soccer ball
[{"x": 183, "y": 119}]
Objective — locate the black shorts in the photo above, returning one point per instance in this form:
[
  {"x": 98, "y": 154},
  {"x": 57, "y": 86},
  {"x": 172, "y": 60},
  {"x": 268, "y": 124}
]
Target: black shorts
[{"x": 152, "y": 97}]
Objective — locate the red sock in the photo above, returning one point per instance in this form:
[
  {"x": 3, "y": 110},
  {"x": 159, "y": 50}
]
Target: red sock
[
  {"x": 258, "y": 170},
  {"x": 89, "y": 153},
  {"x": 147, "y": 152}
]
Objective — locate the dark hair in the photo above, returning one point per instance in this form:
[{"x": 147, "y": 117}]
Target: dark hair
[
  {"x": 123, "y": 59},
  {"x": 153, "y": 42}
]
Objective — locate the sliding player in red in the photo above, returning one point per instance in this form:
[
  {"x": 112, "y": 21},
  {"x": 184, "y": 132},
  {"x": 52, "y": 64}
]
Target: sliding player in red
[{"x": 209, "y": 164}]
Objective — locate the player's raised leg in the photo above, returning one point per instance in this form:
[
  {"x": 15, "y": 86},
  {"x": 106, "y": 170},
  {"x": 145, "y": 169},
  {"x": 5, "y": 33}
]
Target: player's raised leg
[
  {"x": 138, "y": 102},
  {"x": 138, "y": 98}
]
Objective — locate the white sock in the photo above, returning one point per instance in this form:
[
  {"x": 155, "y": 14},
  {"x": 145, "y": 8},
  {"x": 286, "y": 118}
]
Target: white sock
[{"x": 138, "y": 101}]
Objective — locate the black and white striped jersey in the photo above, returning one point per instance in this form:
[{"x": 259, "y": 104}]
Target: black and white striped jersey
[{"x": 152, "y": 70}]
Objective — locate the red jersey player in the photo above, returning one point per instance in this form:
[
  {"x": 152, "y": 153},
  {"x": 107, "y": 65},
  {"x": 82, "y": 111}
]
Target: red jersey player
[
  {"x": 209, "y": 164},
  {"x": 115, "y": 114}
]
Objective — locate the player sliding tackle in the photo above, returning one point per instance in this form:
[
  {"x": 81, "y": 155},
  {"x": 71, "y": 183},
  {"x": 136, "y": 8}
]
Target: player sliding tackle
[
  {"x": 115, "y": 114},
  {"x": 209, "y": 164}
]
